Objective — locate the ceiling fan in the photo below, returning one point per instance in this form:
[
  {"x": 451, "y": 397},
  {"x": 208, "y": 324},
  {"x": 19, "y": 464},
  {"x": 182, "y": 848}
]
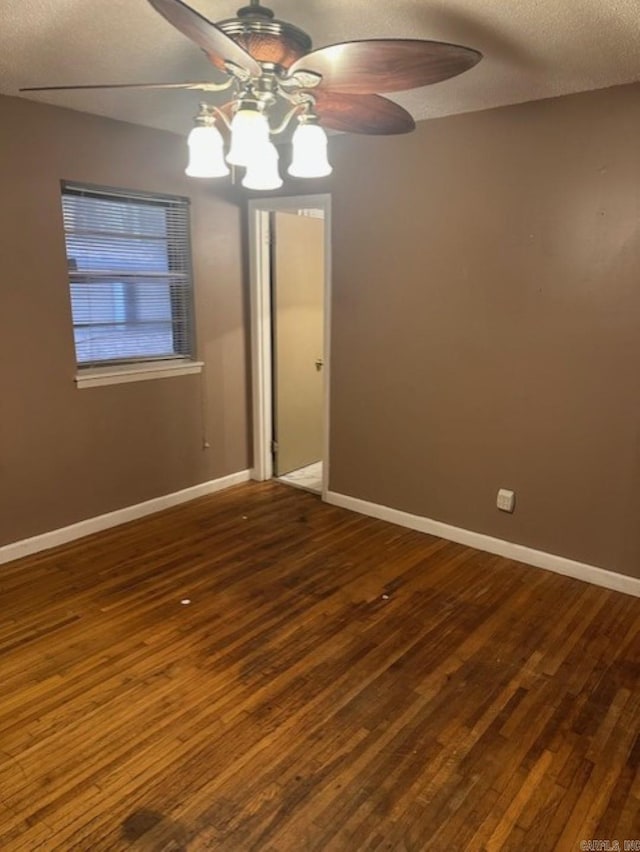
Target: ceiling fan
[{"x": 270, "y": 68}]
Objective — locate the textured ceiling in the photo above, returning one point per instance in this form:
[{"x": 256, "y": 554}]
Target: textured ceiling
[{"x": 533, "y": 49}]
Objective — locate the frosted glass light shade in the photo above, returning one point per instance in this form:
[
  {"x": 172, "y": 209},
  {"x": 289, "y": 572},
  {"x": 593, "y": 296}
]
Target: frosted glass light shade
[
  {"x": 309, "y": 152},
  {"x": 262, "y": 173},
  {"x": 206, "y": 158},
  {"x": 249, "y": 136}
]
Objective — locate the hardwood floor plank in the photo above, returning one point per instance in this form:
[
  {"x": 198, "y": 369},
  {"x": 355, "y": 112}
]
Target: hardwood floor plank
[{"x": 335, "y": 683}]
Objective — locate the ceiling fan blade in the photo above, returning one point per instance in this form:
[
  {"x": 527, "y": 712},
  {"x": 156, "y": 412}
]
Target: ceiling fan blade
[
  {"x": 218, "y": 46},
  {"x": 361, "y": 113},
  {"x": 204, "y": 87},
  {"x": 386, "y": 65}
]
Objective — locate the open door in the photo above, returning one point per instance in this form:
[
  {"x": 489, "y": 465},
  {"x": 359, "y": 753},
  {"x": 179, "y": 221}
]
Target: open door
[{"x": 297, "y": 299}]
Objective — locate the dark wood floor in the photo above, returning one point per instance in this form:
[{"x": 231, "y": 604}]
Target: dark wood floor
[{"x": 336, "y": 683}]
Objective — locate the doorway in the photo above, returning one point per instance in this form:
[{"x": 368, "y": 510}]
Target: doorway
[{"x": 290, "y": 294}]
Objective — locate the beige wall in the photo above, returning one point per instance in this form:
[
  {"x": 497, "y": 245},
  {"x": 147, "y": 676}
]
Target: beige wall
[
  {"x": 68, "y": 454},
  {"x": 486, "y": 323},
  {"x": 486, "y": 327}
]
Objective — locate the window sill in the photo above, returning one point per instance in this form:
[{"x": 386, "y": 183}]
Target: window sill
[{"x": 94, "y": 377}]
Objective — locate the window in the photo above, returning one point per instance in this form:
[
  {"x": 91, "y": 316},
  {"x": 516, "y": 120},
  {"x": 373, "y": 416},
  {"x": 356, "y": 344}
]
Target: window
[{"x": 129, "y": 262}]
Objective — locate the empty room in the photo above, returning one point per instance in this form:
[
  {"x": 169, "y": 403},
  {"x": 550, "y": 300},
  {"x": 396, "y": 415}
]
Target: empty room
[{"x": 320, "y": 426}]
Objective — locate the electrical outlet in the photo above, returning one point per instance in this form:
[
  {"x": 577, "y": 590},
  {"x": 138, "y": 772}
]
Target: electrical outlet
[{"x": 506, "y": 500}]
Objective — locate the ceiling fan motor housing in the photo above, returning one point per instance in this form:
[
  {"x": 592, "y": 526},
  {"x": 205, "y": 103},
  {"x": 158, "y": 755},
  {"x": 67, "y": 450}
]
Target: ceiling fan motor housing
[{"x": 267, "y": 39}]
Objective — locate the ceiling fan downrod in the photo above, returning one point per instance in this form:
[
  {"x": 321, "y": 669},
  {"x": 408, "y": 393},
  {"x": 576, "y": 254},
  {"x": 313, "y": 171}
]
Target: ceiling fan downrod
[{"x": 255, "y": 10}]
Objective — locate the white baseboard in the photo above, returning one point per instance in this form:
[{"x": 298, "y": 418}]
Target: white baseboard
[
  {"x": 27, "y": 546},
  {"x": 537, "y": 558}
]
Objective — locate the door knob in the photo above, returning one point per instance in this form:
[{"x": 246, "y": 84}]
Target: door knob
[{"x": 319, "y": 364}]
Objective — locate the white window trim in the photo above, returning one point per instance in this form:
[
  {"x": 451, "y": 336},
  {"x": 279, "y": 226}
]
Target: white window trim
[{"x": 93, "y": 377}]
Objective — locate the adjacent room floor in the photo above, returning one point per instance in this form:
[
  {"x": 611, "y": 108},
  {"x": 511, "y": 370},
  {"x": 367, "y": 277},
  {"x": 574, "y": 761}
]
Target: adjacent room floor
[
  {"x": 257, "y": 670},
  {"x": 309, "y": 478}
]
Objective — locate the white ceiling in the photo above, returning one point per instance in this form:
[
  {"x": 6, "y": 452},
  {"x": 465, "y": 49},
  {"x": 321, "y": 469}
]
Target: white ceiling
[{"x": 532, "y": 49}]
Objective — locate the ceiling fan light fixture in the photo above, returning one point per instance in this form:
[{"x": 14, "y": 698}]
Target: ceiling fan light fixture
[
  {"x": 249, "y": 135},
  {"x": 206, "y": 156},
  {"x": 310, "y": 158},
  {"x": 269, "y": 67},
  {"x": 262, "y": 173}
]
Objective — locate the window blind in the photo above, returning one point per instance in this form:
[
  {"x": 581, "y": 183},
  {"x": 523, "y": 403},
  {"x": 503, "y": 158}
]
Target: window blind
[{"x": 130, "y": 283}]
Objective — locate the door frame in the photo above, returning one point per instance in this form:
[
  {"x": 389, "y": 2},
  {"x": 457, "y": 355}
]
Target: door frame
[{"x": 261, "y": 327}]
